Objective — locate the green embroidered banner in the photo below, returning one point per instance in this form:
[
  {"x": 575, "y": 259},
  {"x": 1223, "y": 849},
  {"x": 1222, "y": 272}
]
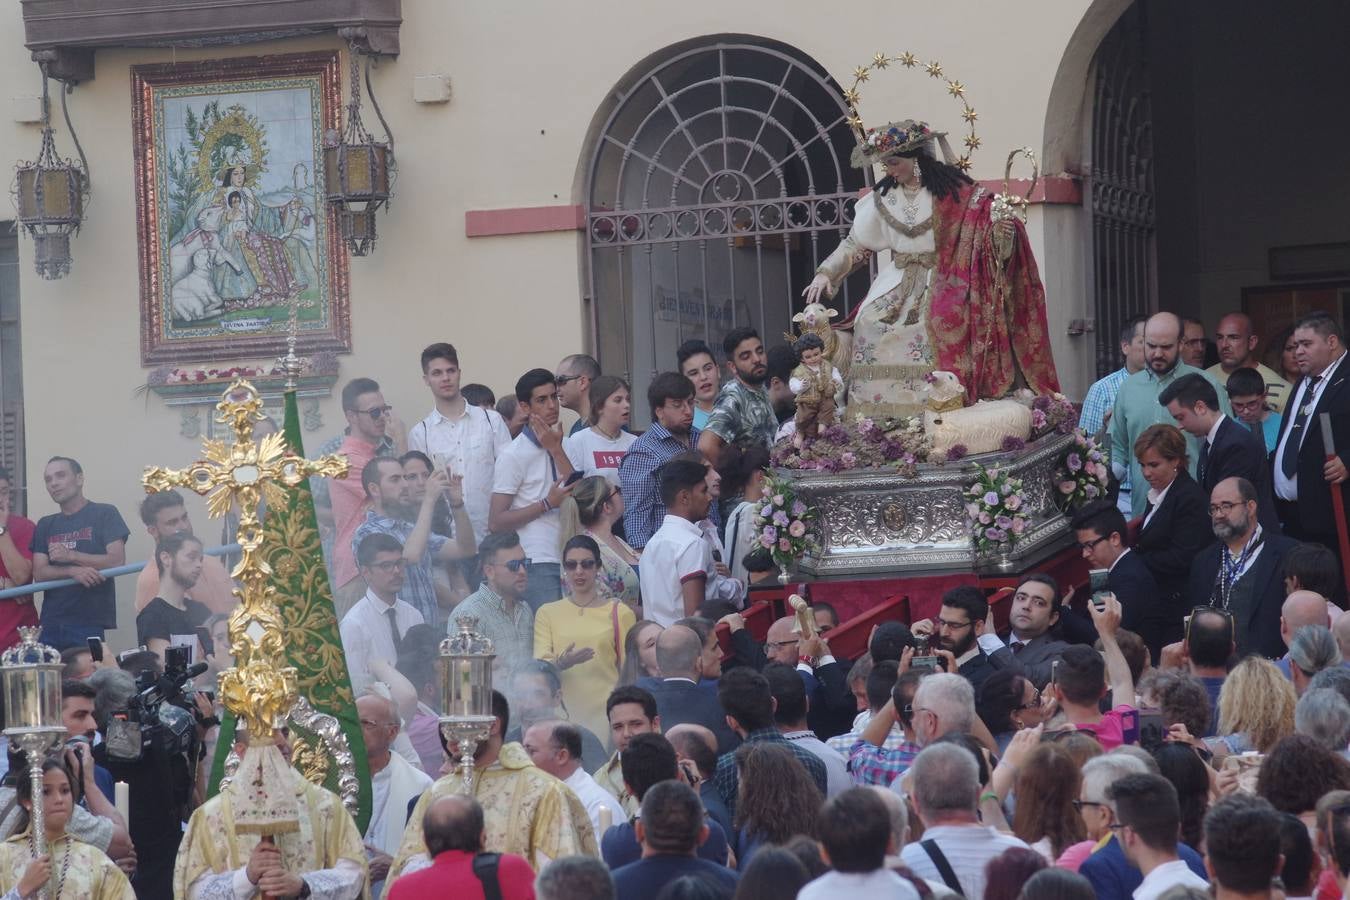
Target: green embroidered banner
[{"x": 314, "y": 647}]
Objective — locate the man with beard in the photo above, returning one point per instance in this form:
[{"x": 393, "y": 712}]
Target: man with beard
[
  {"x": 173, "y": 617},
  {"x": 671, "y": 398},
  {"x": 1137, "y": 404},
  {"x": 525, "y": 810},
  {"x": 744, "y": 413},
  {"x": 394, "y": 513},
  {"x": 960, "y": 623},
  {"x": 1241, "y": 571},
  {"x": 165, "y": 515}
]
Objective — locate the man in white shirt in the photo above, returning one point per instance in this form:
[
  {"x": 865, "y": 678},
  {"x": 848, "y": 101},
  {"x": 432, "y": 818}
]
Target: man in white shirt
[
  {"x": 555, "y": 747},
  {"x": 855, "y": 832},
  {"x": 676, "y": 562},
  {"x": 459, "y": 437},
  {"x": 956, "y": 847},
  {"x": 529, "y": 485},
  {"x": 393, "y": 782},
  {"x": 1149, "y": 817},
  {"x": 373, "y": 629}
]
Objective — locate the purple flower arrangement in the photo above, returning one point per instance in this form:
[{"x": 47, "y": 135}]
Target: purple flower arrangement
[
  {"x": 865, "y": 444},
  {"x": 997, "y": 509},
  {"x": 783, "y": 522},
  {"x": 1082, "y": 473},
  {"x": 1052, "y": 412}
]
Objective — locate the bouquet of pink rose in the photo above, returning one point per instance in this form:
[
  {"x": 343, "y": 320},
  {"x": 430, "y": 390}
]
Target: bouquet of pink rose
[
  {"x": 783, "y": 522},
  {"x": 1082, "y": 473},
  {"x": 996, "y": 508}
]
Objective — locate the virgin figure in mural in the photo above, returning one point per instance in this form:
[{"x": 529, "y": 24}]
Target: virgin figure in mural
[{"x": 960, "y": 292}]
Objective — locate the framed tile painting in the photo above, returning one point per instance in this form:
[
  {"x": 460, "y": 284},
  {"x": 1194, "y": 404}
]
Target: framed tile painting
[{"x": 231, "y": 223}]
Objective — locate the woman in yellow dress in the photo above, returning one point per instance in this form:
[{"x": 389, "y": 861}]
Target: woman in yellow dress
[
  {"x": 582, "y": 634},
  {"x": 77, "y": 869}
]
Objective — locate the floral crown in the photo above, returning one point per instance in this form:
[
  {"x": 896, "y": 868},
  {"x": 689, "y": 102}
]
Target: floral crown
[{"x": 891, "y": 139}]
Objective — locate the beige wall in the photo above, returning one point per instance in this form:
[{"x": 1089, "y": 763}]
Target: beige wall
[{"x": 506, "y": 302}]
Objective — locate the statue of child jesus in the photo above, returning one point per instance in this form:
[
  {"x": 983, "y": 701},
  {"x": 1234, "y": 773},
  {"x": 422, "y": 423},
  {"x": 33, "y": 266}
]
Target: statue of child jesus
[{"x": 814, "y": 383}]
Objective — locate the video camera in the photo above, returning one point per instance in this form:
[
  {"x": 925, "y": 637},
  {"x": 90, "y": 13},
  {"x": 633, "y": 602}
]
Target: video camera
[{"x": 161, "y": 715}]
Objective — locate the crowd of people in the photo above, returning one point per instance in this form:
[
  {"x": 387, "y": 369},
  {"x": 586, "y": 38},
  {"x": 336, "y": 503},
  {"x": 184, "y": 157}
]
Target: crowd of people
[{"x": 1185, "y": 728}]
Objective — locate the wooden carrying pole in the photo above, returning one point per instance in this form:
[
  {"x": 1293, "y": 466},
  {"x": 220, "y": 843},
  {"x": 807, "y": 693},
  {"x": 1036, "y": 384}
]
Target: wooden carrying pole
[{"x": 1337, "y": 503}]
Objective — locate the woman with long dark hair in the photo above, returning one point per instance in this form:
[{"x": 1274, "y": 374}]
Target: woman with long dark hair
[
  {"x": 639, "y": 652},
  {"x": 776, "y": 801},
  {"x": 954, "y": 283},
  {"x": 1180, "y": 764}
]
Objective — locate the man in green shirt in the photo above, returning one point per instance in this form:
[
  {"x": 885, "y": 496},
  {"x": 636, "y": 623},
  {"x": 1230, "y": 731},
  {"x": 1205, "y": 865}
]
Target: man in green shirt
[{"x": 1137, "y": 404}]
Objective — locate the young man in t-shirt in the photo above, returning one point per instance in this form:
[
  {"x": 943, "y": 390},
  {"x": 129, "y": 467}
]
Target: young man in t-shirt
[
  {"x": 1080, "y": 681},
  {"x": 172, "y": 618},
  {"x": 677, "y": 561},
  {"x": 77, "y": 542},
  {"x": 530, "y": 484},
  {"x": 165, "y": 515}
]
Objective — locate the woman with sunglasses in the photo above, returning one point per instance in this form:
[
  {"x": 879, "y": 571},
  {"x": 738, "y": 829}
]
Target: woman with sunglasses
[
  {"x": 582, "y": 634},
  {"x": 1008, "y": 702},
  {"x": 70, "y": 868},
  {"x": 593, "y": 509}
]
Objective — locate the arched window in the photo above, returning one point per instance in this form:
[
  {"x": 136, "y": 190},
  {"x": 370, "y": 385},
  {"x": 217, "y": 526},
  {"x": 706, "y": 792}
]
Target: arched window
[{"x": 718, "y": 183}]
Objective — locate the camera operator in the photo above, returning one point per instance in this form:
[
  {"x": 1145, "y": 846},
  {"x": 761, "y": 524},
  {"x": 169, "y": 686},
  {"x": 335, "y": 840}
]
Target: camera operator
[
  {"x": 153, "y": 744},
  {"x": 96, "y": 782}
]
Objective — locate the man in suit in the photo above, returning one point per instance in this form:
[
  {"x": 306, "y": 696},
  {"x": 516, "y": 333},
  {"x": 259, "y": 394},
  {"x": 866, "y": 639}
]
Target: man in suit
[
  {"x": 826, "y": 678},
  {"x": 1241, "y": 571},
  {"x": 957, "y": 630},
  {"x": 1302, "y": 471},
  {"x": 1101, "y": 532},
  {"x": 1029, "y": 644},
  {"x": 1227, "y": 449},
  {"x": 679, "y": 697}
]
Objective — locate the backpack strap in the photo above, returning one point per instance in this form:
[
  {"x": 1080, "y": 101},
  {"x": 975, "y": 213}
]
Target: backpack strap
[
  {"x": 944, "y": 868},
  {"x": 485, "y": 870}
]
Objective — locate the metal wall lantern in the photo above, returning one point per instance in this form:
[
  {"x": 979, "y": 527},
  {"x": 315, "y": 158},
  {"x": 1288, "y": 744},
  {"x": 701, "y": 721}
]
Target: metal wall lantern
[
  {"x": 358, "y": 170},
  {"x": 49, "y": 193}
]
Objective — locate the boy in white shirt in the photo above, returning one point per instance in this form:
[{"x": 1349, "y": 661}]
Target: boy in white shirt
[{"x": 677, "y": 561}]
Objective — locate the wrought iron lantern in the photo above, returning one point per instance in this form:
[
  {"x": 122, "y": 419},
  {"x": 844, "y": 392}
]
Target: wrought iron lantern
[
  {"x": 358, "y": 170},
  {"x": 466, "y": 693},
  {"x": 31, "y": 674},
  {"x": 49, "y": 193}
]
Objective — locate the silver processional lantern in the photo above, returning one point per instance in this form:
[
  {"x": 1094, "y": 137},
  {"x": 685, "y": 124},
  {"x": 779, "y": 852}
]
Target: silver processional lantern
[
  {"x": 31, "y": 674},
  {"x": 49, "y": 193},
  {"x": 466, "y": 693},
  {"x": 358, "y": 170}
]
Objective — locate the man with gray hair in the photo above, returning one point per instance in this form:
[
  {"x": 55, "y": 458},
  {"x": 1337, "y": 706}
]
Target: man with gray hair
[
  {"x": 1312, "y": 650},
  {"x": 945, "y": 780},
  {"x": 1324, "y": 715},
  {"x": 574, "y": 878},
  {"x": 944, "y": 703},
  {"x": 1103, "y": 861}
]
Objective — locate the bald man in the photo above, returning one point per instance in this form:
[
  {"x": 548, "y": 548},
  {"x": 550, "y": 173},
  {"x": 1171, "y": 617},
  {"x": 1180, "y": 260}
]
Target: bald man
[
  {"x": 679, "y": 696},
  {"x": 1137, "y": 404},
  {"x": 831, "y": 706},
  {"x": 696, "y": 748},
  {"x": 1237, "y": 349},
  {"x": 453, "y": 826},
  {"x": 1301, "y": 608},
  {"x": 394, "y": 782}
]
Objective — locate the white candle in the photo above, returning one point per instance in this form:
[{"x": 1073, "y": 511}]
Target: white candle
[{"x": 122, "y": 800}]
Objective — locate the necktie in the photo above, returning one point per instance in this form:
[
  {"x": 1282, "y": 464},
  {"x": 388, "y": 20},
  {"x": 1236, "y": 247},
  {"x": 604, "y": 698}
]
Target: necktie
[
  {"x": 393, "y": 628},
  {"x": 1289, "y": 461},
  {"x": 1203, "y": 463},
  {"x": 1018, "y": 647}
]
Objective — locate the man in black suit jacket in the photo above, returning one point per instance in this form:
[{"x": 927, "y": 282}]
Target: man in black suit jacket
[
  {"x": 1100, "y": 529},
  {"x": 1227, "y": 449},
  {"x": 957, "y": 630},
  {"x": 1030, "y": 644},
  {"x": 679, "y": 697},
  {"x": 1304, "y": 477},
  {"x": 1242, "y": 571}
]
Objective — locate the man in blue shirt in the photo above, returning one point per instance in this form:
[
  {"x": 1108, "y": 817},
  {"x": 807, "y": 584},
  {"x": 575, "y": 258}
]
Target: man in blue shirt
[{"x": 670, "y": 830}]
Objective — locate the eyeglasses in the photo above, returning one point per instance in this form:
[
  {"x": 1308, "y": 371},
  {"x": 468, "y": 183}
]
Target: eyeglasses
[
  {"x": 1225, "y": 507},
  {"x": 1248, "y": 406},
  {"x": 388, "y": 565},
  {"x": 1035, "y": 702},
  {"x": 1079, "y": 804},
  {"x": 779, "y": 645},
  {"x": 375, "y": 412},
  {"x": 515, "y": 565},
  {"x": 1089, "y": 546},
  {"x": 954, "y": 626},
  {"x": 612, "y": 494},
  {"x": 561, "y": 380},
  {"x": 587, "y": 565}
]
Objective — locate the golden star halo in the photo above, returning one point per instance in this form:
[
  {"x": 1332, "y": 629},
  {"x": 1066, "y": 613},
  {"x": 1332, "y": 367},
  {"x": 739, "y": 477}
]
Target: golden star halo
[{"x": 853, "y": 96}]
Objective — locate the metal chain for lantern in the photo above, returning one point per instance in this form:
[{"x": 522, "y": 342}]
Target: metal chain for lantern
[
  {"x": 358, "y": 169},
  {"x": 49, "y": 194}
]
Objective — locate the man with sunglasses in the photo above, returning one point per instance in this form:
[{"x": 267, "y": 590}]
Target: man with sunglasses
[
  {"x": 368, "y": 425},
  {"x": 575, "y": 374},
  {"x": 373, "y": 629},
  {"x": 1241, "y": 571},
  {"x": 499, "y": 604}
]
